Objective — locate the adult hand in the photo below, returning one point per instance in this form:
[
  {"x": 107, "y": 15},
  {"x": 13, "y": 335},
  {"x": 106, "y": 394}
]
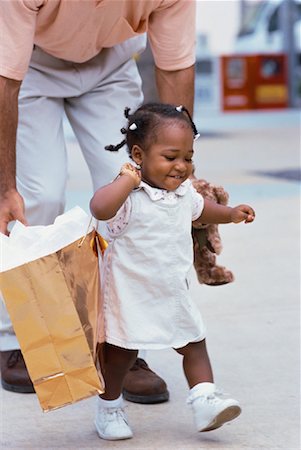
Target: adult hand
[
  {"x": 11, "y": 208},
  {"x": 242, "y": 213}
]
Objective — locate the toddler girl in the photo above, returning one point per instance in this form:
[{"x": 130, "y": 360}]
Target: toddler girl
[{"x": 149, "y": 209}]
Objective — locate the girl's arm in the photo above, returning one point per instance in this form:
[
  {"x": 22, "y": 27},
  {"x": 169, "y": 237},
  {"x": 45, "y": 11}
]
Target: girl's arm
[
  {"x": 108, "y": 199},
  {"x": 216, "y": 213}
]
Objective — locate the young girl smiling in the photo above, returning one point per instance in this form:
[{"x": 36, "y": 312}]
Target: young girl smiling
[{"x": 149, "y": 211}]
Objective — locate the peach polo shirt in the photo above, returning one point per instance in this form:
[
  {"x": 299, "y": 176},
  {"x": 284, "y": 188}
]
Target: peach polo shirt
[{"x": 76, "y": 30}]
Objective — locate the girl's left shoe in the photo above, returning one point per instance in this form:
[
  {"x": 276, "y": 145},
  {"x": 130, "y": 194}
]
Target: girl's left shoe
[{"x": 210, "y": 410}]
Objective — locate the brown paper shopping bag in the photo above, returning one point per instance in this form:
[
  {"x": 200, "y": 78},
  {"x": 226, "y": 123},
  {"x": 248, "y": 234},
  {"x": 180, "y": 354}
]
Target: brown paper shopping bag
[{"x": 53, "y": 303}]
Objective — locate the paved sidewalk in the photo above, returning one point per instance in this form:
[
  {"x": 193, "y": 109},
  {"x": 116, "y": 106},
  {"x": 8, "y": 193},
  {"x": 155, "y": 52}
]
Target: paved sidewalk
[{"x": 253, "y": 323}]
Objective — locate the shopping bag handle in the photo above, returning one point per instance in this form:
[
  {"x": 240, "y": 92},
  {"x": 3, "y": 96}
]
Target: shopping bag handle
[
  {"x": 84, "y": 237},
  {"x": 101, "y": 241}
]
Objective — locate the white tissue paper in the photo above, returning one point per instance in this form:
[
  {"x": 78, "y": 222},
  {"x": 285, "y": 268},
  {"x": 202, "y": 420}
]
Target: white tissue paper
[{"x": 27, "y": 243}]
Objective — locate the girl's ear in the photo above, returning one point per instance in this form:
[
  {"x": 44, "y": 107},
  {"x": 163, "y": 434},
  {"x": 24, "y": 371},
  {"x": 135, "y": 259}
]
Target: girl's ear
[{"x": 137, "y": 154}]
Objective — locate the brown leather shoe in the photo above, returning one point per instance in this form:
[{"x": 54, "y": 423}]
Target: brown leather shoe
[
  {"x": 142, "y": 385},
  {"x": 14, "y": 375}
]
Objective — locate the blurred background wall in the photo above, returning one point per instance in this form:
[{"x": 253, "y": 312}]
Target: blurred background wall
[{"x": 252, "y": 27}]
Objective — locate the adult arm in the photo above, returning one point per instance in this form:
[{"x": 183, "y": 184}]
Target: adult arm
[
  {"x": 176, "y": 86},
  {"x": 17, "y": 25},
  {"x": 11, "y": 202},
  {"x": 172, "y": 36}
]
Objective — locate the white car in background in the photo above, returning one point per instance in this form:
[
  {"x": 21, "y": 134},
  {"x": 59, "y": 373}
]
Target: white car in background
[{"x": 261, "y": 30}]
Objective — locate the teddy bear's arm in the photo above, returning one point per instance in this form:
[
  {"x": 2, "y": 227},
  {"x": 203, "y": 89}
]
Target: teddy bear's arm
[{"x": 207, "y": 241}]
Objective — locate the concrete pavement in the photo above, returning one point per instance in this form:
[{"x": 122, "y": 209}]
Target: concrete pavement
[{"x": 253, "y": 323}]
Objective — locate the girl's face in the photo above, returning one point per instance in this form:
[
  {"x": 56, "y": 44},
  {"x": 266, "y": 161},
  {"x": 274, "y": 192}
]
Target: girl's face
[{"x": 167, "y": 163}]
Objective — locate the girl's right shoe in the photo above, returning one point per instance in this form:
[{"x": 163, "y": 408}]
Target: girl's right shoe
[
  {"x": 211, "y": 411},
  {"x": 111, "y": 424}
]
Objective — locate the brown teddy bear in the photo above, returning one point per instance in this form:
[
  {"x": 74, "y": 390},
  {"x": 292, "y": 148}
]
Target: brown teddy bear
[{"x": 207, "y": 241}]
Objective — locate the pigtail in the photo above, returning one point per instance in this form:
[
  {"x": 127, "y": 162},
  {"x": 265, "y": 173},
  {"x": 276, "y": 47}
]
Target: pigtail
[
  {"x": 182, "y": 108},
  {"x": 115, "y": 148},
  {"x": 127, "y": 112}
]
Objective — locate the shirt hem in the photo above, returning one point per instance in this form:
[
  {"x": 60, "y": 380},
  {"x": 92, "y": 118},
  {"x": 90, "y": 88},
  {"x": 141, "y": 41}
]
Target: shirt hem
[
  {"x": 12, "y": 74},
  {"x": 152, "y": 346},
  {"x": 184, "y": 64}
]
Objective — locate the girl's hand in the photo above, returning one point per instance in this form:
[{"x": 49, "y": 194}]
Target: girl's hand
[
  {"x": 135, "y": 174},
  {"x": 242, "y": 213}
]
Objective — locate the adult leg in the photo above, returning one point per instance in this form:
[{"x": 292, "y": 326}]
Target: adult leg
[
  {"x": 41, "y": 178},
  {"x": 41, "y": 159},
  {"x": 110, "y": 82},
  {"x": 210, "y": 410}
]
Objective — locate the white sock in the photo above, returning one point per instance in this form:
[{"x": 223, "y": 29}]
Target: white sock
[
  {"x": 117, "y": 403},
  {"x": 202, "y": 388}
]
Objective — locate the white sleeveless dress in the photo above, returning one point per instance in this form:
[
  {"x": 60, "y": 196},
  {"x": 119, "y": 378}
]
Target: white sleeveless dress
[{"x": 145, "y": 275}]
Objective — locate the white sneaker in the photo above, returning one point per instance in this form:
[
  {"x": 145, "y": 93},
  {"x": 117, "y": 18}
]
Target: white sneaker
[
  {"x": 112, "y": 424},
  {"x": 211, "y": 411}
]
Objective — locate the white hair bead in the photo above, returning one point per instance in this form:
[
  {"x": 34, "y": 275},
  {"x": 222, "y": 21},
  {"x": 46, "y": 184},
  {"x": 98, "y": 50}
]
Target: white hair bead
[{"x": 133, "y": 127}]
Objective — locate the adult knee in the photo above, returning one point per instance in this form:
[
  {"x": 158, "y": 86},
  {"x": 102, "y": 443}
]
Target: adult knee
[{"x": 43, "y": 204}]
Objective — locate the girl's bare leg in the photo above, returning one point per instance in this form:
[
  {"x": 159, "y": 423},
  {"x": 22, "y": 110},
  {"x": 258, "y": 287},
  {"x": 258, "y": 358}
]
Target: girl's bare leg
[
  {"x": 115, "y": 363},
  {"x": 210, "y": 411},
  {"x": 196, "y": 363}
]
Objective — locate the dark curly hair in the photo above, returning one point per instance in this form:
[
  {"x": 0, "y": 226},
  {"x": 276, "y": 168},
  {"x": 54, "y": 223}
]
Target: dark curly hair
[{"x": 144, "y": 122}]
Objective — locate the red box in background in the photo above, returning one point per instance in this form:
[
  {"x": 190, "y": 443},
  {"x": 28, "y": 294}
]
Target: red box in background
[
  {"x": 237, "y": 80},
  {"x": 270, "y": 81},
  {"x": 254, "y": 82}
]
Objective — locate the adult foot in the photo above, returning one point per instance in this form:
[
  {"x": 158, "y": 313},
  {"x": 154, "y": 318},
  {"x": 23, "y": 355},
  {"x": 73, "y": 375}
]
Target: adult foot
[
  {"x": 142, "y": 385},
  {"x": 14, "y": 374}
]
